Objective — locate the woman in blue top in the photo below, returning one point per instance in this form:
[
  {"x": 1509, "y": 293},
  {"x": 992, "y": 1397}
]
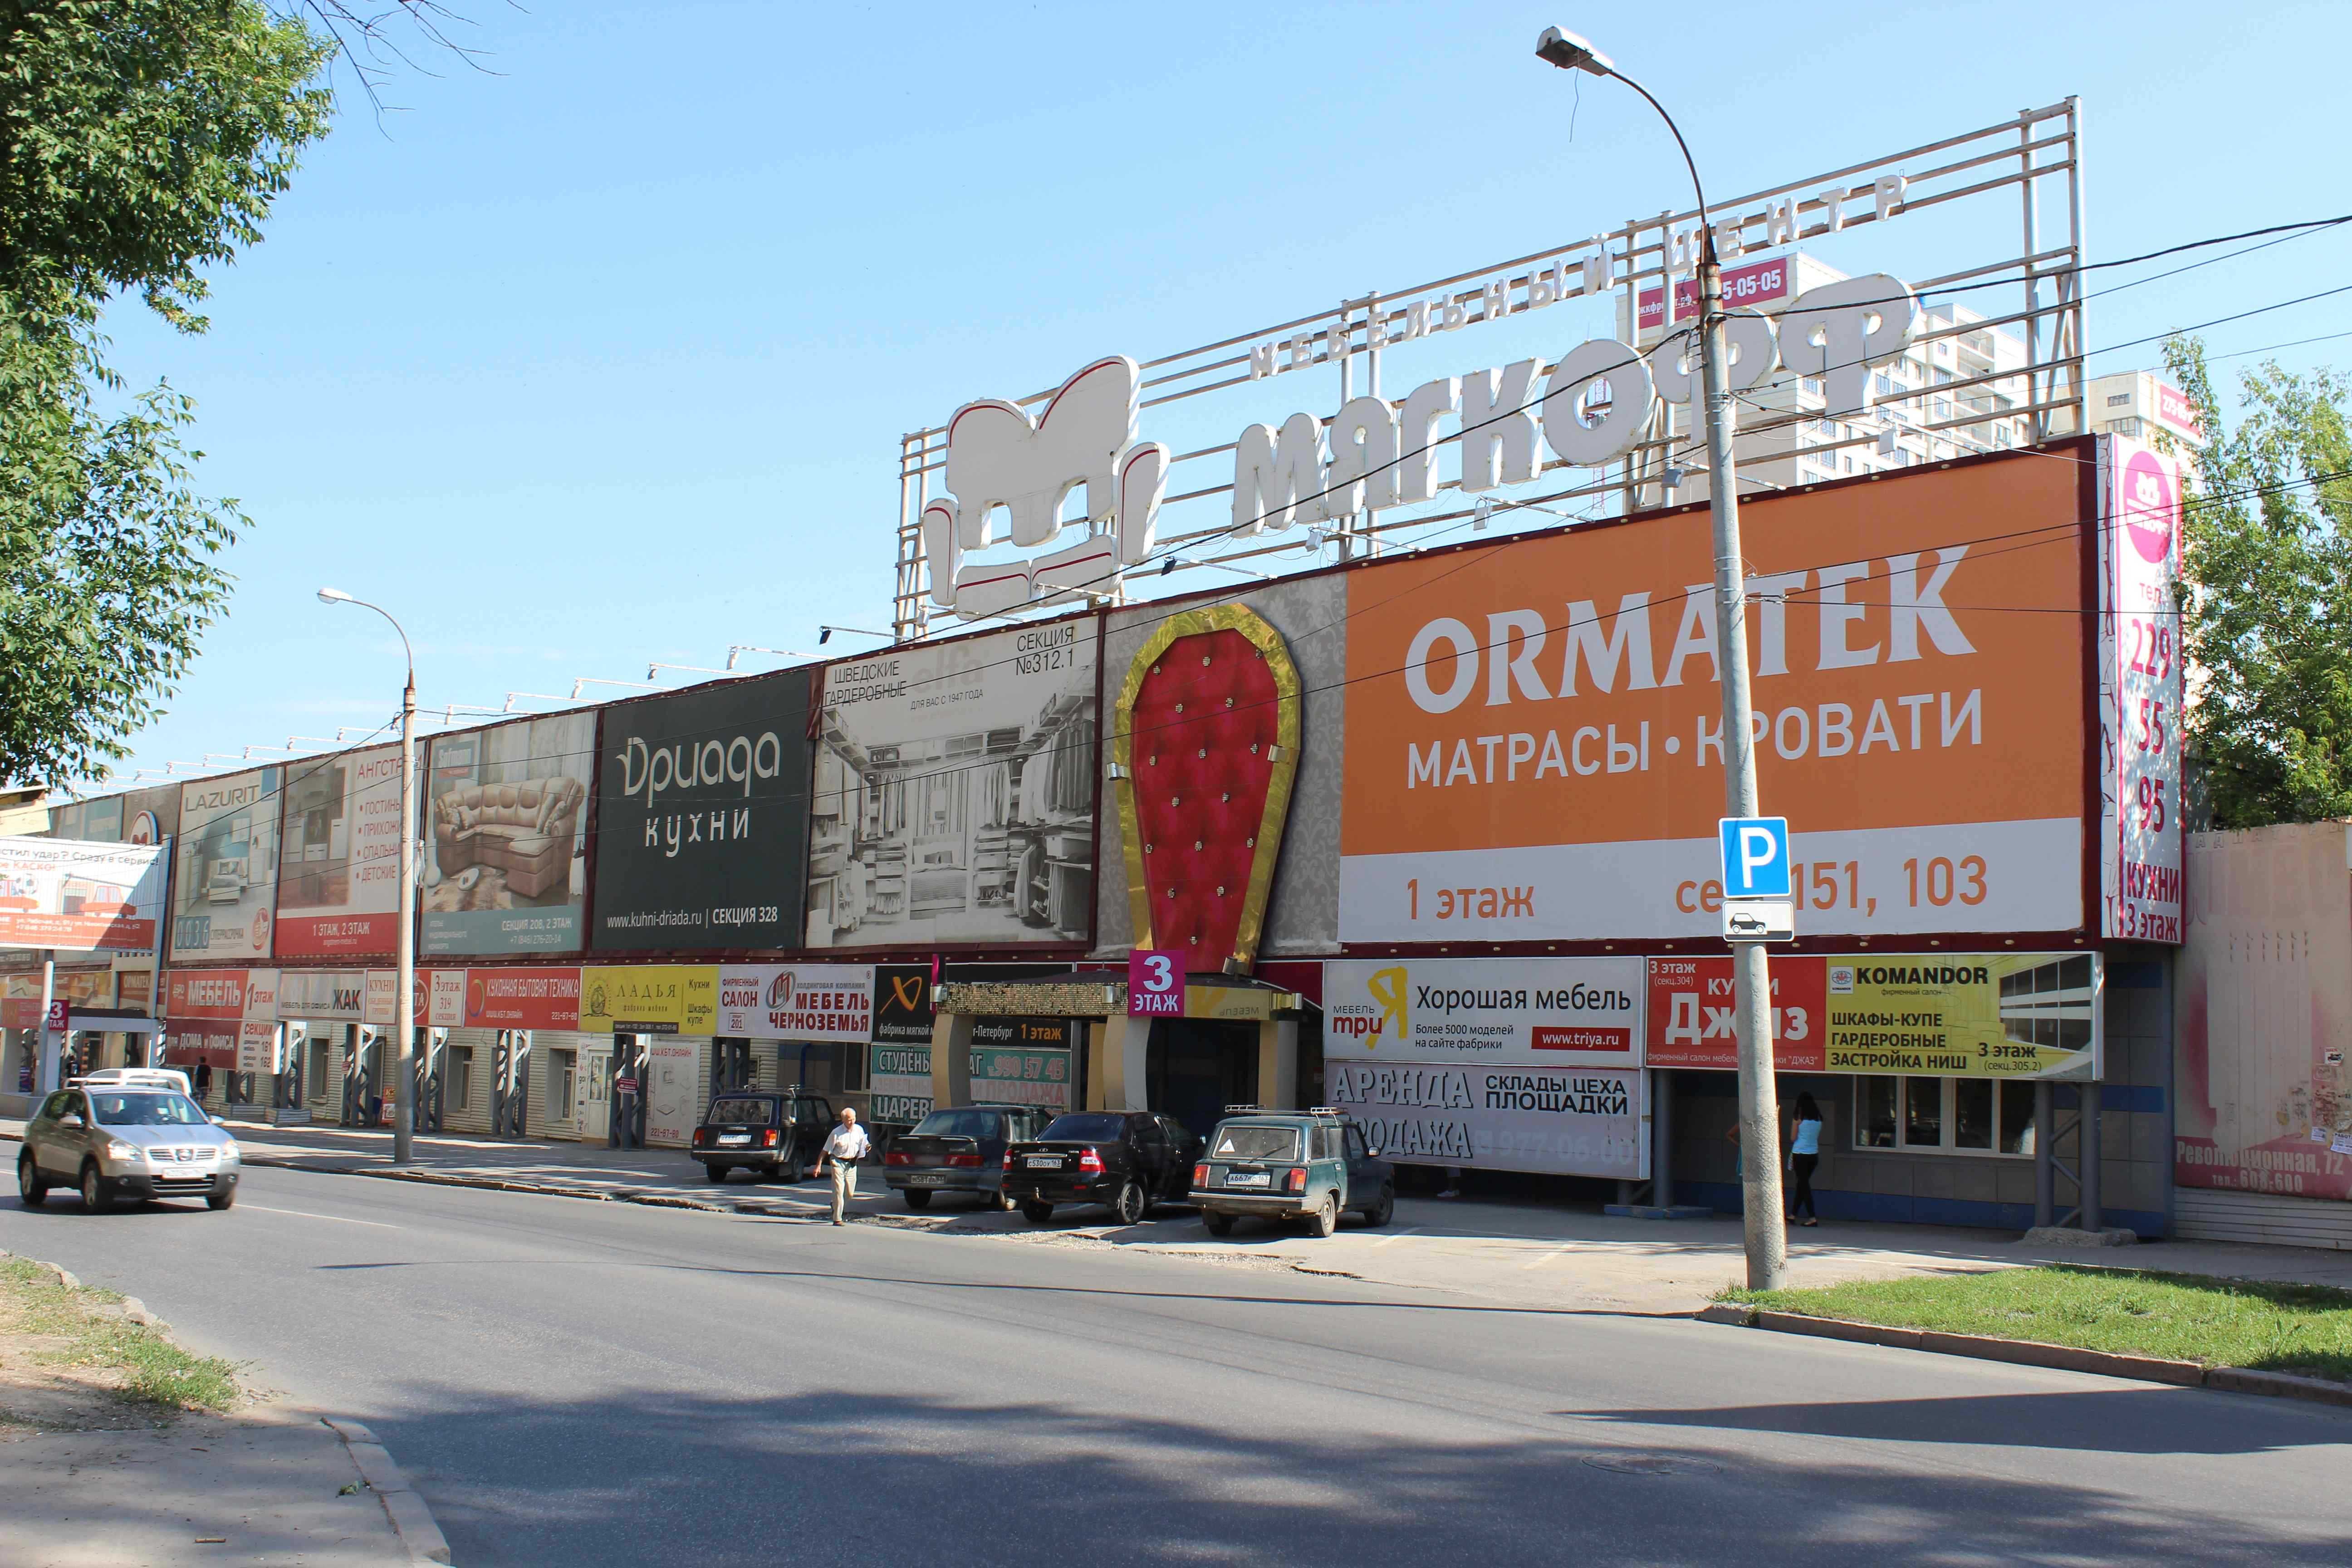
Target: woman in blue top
[{"x": 1804, "y": 1156}]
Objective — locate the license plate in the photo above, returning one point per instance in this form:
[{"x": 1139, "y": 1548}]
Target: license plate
[
  {"x": 1248, "y": 1179},
  {"x": 734, "y": 1137},
  {"x": 1042, "y": 1163},
  {"x": 925, "y": 1181}
]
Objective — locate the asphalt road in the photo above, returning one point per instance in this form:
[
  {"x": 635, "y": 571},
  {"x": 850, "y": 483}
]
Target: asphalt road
[{"x": 593, "y": 1384}]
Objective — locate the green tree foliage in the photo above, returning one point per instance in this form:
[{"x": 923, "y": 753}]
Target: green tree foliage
[
  {"x": 141, "y": 141},
  {"x": 2268, "y": 568}
]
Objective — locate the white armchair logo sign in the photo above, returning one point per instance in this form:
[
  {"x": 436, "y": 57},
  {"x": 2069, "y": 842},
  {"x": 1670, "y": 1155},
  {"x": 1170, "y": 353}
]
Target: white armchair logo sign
[{"x": 998, "y": 457}]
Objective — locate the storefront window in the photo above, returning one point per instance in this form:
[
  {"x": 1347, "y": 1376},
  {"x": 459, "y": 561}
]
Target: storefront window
[
  {"x": 1923, "y": 1112},
  {"x": 2016, "y": 1117},
  {"x": 1972, "y": 1113},
  {"x": 1945, "y": 1115},
  {"x": 1874, "y": 1127}
]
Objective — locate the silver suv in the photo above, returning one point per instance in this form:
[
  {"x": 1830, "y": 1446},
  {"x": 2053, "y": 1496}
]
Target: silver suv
[{"x": 127, "y": 1139}]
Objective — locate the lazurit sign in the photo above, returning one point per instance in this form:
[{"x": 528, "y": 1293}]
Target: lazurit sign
[{"x": 1527, "y": 764}]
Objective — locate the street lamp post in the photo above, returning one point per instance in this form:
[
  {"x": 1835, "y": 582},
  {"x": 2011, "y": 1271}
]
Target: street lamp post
[
  {"x": 404, "y": 1005},
  {"x": 1760, "y": 1137}
]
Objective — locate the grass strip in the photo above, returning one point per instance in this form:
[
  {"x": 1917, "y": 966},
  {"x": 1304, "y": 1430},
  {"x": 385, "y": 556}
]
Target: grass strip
[
  {"x": 2254, "y": 1323},
  {"x": 154, "y": 1370}
]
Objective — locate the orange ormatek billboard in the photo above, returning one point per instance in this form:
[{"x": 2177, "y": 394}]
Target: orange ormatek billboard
[{"x": 1534, "y": 727}]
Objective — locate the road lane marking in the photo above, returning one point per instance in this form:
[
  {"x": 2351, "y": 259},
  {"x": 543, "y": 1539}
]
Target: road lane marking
[
  {"x": 1395, "y": 1236},
  {"x": 1547, "y": 1258},
  {"x": 305, "y": 1213}
]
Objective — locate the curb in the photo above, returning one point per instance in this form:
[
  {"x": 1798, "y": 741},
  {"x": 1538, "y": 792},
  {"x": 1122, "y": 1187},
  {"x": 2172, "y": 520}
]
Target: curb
[
  {"x": 412, "y": 1521},
  {"x": 2033, "y": 1353},
  {"x": 131, "y": 1307},
  {"x": 648, "y": 1197}
]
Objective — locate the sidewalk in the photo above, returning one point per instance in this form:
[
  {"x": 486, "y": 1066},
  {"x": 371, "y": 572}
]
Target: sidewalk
[
  {"x": 265, "y": 1486},
  {"x": 117, "y": 1447},
  {"x": 1535, "y": 1256}
]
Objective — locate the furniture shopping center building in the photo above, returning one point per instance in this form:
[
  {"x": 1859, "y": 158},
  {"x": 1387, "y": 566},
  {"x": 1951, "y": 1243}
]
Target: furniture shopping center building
[{"x": 1419, "y": 822}]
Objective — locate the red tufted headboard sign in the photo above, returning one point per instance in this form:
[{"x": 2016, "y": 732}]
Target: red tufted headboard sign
[{"x": 1203, "y": 755}]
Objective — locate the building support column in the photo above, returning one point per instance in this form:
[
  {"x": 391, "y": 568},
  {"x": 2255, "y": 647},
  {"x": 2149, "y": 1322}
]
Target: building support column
[
  {"x": 1662, "y": 1137},
  {"x": 1277, "y": 1064},
  {"x": 951, "y": 1061},
  {"x": 2045, "y": 1157},
  {"x": 1112, "y": 1082},
  {"x": 2089, "y": 1145}
]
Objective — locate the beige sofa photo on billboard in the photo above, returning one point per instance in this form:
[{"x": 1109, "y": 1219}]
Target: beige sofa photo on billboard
[{"x": 522, "y": 829}]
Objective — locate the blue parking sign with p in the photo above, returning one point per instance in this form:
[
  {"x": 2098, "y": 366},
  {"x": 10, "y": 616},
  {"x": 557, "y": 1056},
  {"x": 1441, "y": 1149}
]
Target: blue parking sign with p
[{"x": 1755, "y": 857}]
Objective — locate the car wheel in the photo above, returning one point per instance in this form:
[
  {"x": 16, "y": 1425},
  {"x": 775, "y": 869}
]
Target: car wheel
[
  {"x": 714, "y": 1171},
  {"x": 1325, "y": 1217},
  {"x": 1128, "y": 1207},
  {"x": 1383, "y": 1211},
  {"x": 1218, "y": 1224},
  {"x": 30, "y": 1185},
  {"x": 221, "y": 1200},
  {"x": 1037, "y": 1214},
  {"x": 94, "y": 1196},
  {"x": 918, "y": 1198}
]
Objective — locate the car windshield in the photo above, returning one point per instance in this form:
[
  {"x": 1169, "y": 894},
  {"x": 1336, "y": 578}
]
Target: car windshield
[
  {"x": 960, "y": 1124},
  {"x": 1094, "y": 1127},
  {"x": 147, "y": 1109},
  {"x": 741, "y": 1112},
  {"x": 1255, "y": 1141}
]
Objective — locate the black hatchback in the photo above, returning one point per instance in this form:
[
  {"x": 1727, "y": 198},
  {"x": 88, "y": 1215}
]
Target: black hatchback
[{"x": 769, "y": 1134}]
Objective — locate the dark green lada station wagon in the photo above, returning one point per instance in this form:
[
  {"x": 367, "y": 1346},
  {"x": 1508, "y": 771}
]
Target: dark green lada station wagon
[{"x": 1290, "y": 1165}]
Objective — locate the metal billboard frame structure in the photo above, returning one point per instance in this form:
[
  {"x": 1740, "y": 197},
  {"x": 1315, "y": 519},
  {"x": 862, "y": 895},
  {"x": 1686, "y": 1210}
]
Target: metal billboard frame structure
[{"x": 2016, "y": 155}]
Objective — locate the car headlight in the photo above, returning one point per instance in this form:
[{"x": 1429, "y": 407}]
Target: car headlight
[
  {"x": 122, "y": 1151},
  {"x": 229, "y": 1156}
]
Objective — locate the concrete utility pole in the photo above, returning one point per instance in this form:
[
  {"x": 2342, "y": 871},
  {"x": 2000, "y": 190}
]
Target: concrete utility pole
[
  {"x": 404, "y": 998},
  {"x": 1760, "y": 1134}
]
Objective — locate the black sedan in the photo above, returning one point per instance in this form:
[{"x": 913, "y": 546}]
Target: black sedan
[{"x": 1125, "y": 1160}]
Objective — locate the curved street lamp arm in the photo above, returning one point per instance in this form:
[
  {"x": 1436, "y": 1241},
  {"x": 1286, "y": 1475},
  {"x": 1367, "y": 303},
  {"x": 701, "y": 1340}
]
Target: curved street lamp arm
[
  {"x": 409, "y": 653},
  {"x": 1707, "y": 225}
]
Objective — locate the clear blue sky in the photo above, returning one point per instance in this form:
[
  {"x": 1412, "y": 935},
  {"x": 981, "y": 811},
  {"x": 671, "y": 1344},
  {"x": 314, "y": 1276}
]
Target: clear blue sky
[{"x": 604, "y": 358}]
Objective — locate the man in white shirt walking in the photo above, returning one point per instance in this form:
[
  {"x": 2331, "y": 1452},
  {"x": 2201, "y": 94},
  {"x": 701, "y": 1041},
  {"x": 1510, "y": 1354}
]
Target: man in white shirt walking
[{"x": 844, "y": 1147}]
